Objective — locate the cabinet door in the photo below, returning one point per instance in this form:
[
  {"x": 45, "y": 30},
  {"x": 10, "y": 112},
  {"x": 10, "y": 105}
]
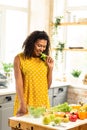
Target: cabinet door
[
  {"x": 50, "y": 93},
  {"x": 59, "y": 95},
  {"x": 6, "y": 111}
]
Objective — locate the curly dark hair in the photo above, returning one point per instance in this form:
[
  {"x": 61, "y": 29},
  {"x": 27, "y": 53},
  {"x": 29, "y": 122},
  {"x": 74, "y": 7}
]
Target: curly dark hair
[{"x": 30, "y": 41}]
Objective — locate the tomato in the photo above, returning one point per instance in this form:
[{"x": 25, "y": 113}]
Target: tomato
[
  {"x": 73, "y": 117},
  {"x": 75, "y": 113}
]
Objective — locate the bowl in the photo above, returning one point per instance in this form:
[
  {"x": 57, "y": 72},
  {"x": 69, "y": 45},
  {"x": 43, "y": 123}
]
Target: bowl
[{"x": 75, "y": 106}]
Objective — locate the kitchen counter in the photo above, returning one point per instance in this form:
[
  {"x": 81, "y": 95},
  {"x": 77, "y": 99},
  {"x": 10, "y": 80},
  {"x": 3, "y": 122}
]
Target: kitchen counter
[
  {"x": 59, "y": 84},
  {"x": 11, "y": 87},
  {"x": 81, "y": 86},
  {"x": 29, "y": 123}
]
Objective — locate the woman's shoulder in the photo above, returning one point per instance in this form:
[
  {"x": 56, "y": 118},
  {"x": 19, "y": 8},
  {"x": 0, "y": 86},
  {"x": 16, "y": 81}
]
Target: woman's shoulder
[{"x": 19, "y": 56}]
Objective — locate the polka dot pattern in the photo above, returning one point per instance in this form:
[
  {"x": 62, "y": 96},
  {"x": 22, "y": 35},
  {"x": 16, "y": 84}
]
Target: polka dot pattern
[{"x": 35, "y": 82}]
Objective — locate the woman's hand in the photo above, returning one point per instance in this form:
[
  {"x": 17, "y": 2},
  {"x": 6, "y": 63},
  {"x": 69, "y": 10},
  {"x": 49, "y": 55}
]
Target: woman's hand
[
  {"x": 50, "y": 62},
  {"x": 22, "y": 110}
]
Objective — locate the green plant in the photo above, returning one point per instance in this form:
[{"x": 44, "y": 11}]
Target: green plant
[
  {"x": 57, "y": 21},
  {"x": 7, "y": 67},
  {"x": 60, "y": 48},
  {"x": 76, "y": 73}
]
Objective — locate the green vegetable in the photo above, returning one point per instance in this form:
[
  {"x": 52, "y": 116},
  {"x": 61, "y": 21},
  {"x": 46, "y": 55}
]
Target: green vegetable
[
  {"x": 43, "y": 56},
  {"x": 62, "y": 108},
  {"x": 36, "y": 111}
]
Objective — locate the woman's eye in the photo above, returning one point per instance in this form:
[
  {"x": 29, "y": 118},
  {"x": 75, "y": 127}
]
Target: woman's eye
[{"x": 39, "y": 45}]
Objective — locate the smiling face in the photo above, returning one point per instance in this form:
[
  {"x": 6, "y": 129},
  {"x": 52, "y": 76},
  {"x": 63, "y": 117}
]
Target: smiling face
[{"x": 40, "y": 46}]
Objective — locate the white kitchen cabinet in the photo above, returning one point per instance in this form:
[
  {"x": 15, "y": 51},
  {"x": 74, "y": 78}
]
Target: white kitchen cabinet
[
  {"x": 58, "y": 95},
  {"x": 51, "y": 96},
  {"x": 6, "y": 110}
]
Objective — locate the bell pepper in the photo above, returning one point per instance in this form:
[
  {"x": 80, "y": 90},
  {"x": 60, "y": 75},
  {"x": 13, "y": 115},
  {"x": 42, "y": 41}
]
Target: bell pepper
[{"x": 82, "y": 115}]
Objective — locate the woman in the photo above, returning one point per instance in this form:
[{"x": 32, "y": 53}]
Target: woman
[{"x": 33, "y": 76}]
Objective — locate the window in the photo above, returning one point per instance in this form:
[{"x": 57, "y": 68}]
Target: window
[
  {"x": 16, "y": 31},
  {"x": 16, "y": 3},
  {"x": 13, "y": 27}
]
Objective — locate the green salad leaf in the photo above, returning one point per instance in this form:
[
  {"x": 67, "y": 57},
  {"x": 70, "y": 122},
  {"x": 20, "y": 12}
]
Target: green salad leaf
[
  {"x": 62, "y": 108},
  {"x": 43, "y": 56}
]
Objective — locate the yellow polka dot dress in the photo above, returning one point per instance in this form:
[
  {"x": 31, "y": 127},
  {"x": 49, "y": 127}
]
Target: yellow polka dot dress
[{"x": 35, "y": 82}]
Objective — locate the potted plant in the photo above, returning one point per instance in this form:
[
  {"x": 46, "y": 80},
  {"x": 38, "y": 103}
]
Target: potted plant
[
  {"x": 60, "y": 48},
  {"x": 75, "y": 76},
  {"x": 7, "y": 67},
  {"x": 56, "y": 23},
  {"x": 76, "y": 73},
  {"x": 59, "y": 57}
]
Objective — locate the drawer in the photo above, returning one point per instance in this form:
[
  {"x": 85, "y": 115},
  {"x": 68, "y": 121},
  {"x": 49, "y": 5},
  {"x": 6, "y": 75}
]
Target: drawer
[
  {"x": 23, "y": 125},
  {"x": 60, "y": 90},
  {"x": 20, "y": 125},
  {"x": 7, "y": 98}
]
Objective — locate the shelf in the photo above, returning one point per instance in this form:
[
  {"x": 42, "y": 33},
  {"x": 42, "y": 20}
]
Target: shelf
[
  {"x": 67, "y": 49},
  {"x": 79, "y": 23},
  {"x": 71, "y": 24}
]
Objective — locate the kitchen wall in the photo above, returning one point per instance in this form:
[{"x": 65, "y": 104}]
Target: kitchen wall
[{"x": 77, "y": 94}]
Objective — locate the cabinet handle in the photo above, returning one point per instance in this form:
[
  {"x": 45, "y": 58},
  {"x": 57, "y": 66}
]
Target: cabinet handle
[
  {"x": 8, "y": 98},
  {"x": 18, "y": 126},
  {"x": 60, "y": 90},
  {"x": 54, "y": 96},
  {"x": 32, "y": 128}
]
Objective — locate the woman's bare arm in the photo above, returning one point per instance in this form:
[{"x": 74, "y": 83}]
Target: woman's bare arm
[
  {"x": 19, "y": 86},
  {"x": 50, "y": 64}
]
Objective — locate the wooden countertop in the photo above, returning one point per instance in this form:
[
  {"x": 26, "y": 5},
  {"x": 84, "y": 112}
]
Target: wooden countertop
[{"x": 27, "y": 121}]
